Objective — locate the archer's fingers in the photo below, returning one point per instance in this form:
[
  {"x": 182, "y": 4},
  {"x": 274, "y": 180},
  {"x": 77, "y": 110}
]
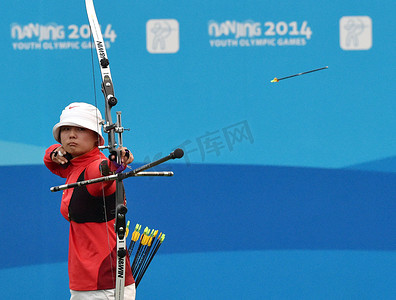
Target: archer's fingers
[
  {"x": 59, "y": 156},
  {"x": 126, "y": 156}
]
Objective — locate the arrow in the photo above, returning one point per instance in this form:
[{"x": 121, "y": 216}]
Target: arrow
[
  {"x": 135, "y": 237},
  {"x": 159, "y": 241},
  {"x": 279, "y": 79}
]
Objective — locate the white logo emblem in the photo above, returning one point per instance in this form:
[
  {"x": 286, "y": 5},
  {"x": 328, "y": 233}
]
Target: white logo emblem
[
  {"x": 162, "y": 36},
  {"x": 356, "y": 33}
]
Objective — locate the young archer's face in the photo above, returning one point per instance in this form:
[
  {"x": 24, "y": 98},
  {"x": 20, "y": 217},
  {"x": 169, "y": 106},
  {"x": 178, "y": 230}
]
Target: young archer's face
[{"x": 77, "y": 140}]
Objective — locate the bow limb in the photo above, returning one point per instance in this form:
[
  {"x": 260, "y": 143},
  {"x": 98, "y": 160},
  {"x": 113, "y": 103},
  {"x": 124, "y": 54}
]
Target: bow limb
[
  {"x": 107, "y": 83},
  {"x": 111, "y": 129}
]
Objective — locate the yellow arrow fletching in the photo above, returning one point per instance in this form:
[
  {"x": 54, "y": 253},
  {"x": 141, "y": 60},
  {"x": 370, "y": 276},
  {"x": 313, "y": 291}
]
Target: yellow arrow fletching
[
  {"x": 135, "y": 236},
  {"x": 162, "y": 238},
  {"x": 127, "y": 229}
]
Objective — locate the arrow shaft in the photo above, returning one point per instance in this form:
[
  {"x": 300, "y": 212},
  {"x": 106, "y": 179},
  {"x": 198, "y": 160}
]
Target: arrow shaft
[{"x": 311, "y": 71}]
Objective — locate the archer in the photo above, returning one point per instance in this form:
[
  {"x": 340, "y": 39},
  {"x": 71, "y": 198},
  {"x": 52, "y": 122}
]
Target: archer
[{"x": 89, "y": 209}]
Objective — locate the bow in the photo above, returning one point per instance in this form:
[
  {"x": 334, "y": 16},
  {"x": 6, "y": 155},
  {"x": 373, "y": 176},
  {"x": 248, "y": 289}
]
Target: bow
[
  {"x": 115, "y": 153},
  {"x": 111, "y": 129}
]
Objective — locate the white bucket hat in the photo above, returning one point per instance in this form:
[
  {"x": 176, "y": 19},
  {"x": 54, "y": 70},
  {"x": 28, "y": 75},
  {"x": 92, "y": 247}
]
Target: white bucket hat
[{"x": 80, "y": 114}]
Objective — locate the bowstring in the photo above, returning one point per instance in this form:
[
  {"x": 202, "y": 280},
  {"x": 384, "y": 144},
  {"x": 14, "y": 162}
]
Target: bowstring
[{"x": 98, "y": 142}]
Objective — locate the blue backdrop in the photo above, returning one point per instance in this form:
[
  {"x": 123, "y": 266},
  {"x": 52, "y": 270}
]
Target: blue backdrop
[{"x": 286, "y": 190}]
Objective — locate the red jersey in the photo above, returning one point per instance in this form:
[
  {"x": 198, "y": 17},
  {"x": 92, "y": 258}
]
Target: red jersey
[{"x": 92, "y": 235}]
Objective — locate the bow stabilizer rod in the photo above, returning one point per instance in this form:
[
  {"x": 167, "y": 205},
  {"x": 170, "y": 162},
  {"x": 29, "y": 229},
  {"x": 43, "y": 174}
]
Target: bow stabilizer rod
[{"x": 178, "y": 153}]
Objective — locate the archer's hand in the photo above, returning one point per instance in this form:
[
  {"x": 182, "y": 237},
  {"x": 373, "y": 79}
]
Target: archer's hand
[
  {"x": 126, "y": 156},
  {"x": 58, "y": 156}
]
